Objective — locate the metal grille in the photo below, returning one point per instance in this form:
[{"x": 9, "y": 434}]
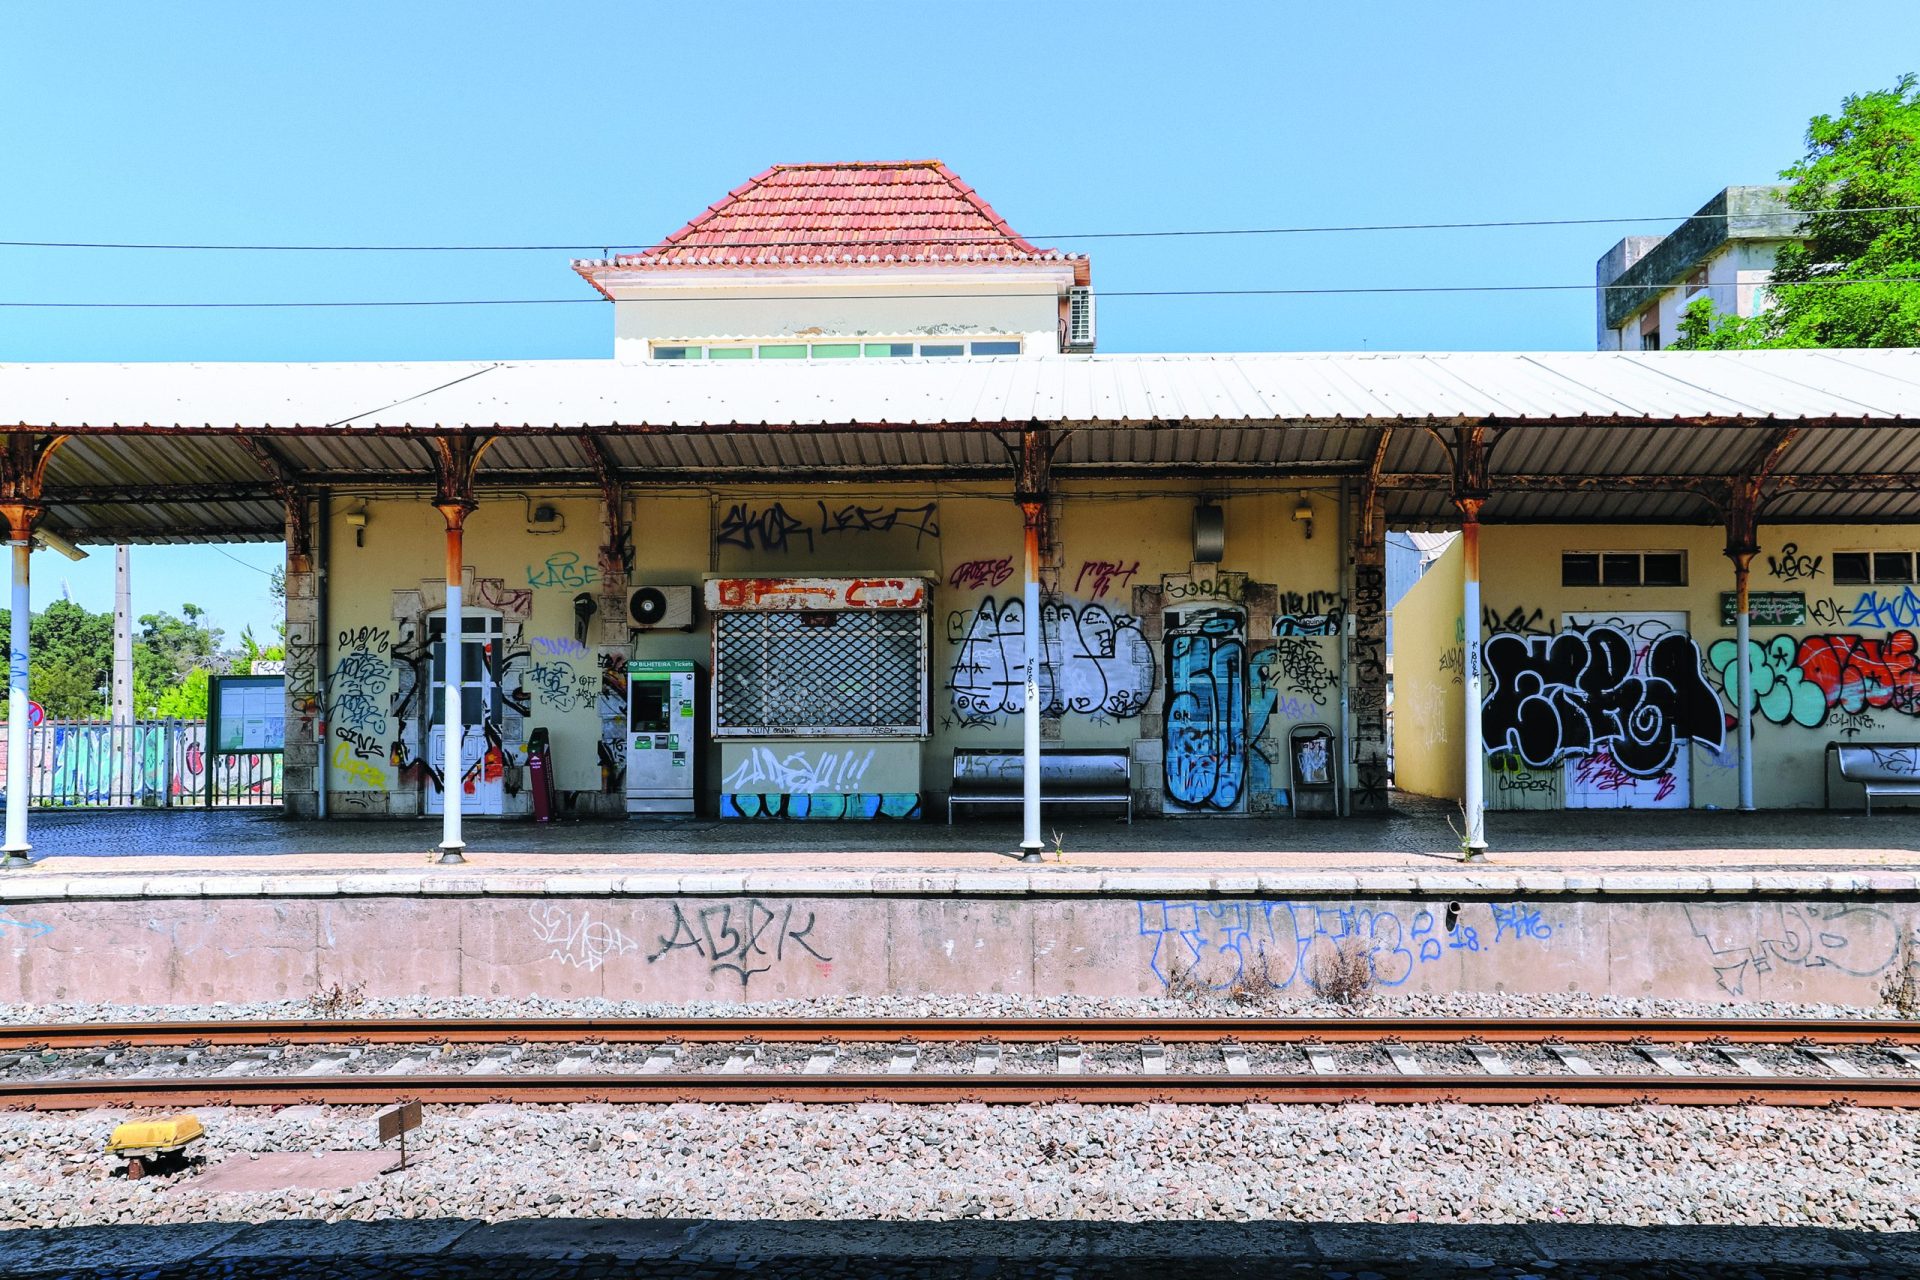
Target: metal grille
[
  {"x": 853, "y": 671},
  {"x": 92, "y": 764}
]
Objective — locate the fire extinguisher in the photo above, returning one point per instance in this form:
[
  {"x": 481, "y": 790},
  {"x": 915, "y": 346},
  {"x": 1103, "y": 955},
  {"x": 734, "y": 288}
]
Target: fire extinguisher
[{"x": 540, "y": 766}]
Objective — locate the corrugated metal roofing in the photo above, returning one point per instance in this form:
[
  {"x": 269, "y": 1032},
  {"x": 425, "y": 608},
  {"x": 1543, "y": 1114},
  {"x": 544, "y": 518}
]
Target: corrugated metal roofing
[
  {"x": 1369, "y": 389},
  {"x": 1566, "y": 413}
]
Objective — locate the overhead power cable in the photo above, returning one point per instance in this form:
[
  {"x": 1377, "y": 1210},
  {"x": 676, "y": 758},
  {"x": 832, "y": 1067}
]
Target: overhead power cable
[
  {"x": 607, "y": 247},
  {"x": 920, "y": 297}
]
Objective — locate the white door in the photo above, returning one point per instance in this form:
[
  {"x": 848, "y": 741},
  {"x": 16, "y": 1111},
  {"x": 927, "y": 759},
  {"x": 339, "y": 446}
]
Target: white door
[
  {"x": 481, "y": 775},
  {"x": 1597, "y": 779}
]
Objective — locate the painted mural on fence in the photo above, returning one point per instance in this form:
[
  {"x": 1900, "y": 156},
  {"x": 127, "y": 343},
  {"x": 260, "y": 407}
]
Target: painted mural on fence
[
  {"x": 1206, "y": 733},
  {"x": 1290, "y": 945},
  {"x": 1551, "y": 697},
  {"x": 1808, "y": 680},
  {"x": 1094, "y": 662},
  {"x": 86, "y": 765}
]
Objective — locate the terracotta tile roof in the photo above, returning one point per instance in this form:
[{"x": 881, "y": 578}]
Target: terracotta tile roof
[{"x": 864, "y": 213}]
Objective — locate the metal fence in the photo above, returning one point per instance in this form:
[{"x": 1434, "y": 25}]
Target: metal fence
[{"x": 94, "y": 764}]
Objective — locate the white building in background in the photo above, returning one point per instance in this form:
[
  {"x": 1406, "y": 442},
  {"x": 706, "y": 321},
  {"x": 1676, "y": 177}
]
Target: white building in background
[
  {"x": 1724, "y": 252},
  {"x": 848, "y": 261}
]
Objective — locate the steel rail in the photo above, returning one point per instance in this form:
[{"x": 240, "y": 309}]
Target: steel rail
[
  {"x": 1267, "y": 1030},
  {"x": 1011, "y": 1089}
]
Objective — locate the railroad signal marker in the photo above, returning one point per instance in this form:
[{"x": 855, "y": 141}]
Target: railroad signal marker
[{"x": 395, "y": 1122}]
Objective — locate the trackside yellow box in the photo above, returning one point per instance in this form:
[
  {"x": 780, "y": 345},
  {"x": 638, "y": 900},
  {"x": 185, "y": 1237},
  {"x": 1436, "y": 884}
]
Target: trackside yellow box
[{"x": 168, "y": 1134}]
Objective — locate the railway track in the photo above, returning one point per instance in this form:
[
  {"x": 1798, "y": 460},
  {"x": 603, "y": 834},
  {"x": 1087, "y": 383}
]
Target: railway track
[{"x": 755, "y": 1060}]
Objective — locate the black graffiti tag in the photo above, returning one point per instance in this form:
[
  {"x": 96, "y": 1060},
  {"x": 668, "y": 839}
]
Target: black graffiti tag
[
  {"x": 744, "y": 944},
  {"x": 1555, "y": 696}
]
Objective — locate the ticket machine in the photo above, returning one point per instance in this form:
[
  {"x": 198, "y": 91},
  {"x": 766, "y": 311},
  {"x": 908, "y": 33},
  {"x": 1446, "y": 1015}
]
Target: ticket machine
[{"x": 662, "y": 746}]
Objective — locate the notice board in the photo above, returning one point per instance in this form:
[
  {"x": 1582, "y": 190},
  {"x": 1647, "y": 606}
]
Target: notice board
[{"x": 247, "y": 713}]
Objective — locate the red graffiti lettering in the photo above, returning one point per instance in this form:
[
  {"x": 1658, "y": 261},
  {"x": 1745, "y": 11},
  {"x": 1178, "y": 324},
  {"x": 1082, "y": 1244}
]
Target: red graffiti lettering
[{"x": 1858, "y": 672}]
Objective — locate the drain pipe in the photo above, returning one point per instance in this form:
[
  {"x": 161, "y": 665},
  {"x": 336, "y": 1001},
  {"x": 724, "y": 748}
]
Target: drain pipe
[{"x": 1343, "y": 798}]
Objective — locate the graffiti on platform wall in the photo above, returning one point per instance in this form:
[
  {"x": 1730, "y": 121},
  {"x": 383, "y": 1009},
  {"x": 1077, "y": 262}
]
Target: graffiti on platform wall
[
  {"x": 1551, "y": 697},
  {"x": 979, "y": 575},
  {"x": 89, "y": 765},
  {"x": 1513, "y": 777},
  {"x": 576, "y": 938},
  {"x": 1206, "y": 723},
  {"x": 824, "y": 806},
  {"x": 1291, "y": 944},
  {"x": 1094, "y": 662},
  {"x": 774, "y": 528},
  {"x": 1367, "y": 649},
  {"x": 563, "y": 569},
  {"x": 1308, "y": 613},
  {"x": 1885, "y": 612},
  {"x": 1745, "y": 941},
  {"x": 559, "y": 685},
  {"x": 1791, "y": 565},
  {"x": 1297, "y": 666},
  {"x": 1520, "y": 620},
  {"x": 1097, "y": 576},
  {"x": 800, "y": 770},
  {"x": 1809, "y": 680},
  {"x": 1225, "y": 587},
  {"x": 744, "y": 938},
  {"x": 1453, "y": 663}
]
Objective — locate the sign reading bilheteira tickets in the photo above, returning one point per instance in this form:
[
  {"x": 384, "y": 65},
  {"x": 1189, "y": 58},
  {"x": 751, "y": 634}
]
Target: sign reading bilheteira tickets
[{"x": 1767, "y": 608}]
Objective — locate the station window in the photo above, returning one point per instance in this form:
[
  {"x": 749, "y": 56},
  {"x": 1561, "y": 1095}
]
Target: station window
[
  {"x": 854, "y": 672},
  {"x": 1623, "y": 569},
  {"x": 1858, "y": 567},
  {"x": 944, "y": 348}
]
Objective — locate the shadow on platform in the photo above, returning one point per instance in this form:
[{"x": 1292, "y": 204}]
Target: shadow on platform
[{"x": 446, "y": 1249}]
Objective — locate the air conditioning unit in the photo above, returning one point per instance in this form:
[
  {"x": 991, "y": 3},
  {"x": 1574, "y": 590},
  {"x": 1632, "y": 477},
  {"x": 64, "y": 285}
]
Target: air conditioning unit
[
  {"x": 661, "y": 608},
  {"x": 1079, "y": 318}
]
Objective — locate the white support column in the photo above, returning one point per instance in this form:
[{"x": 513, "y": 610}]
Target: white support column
[
  {"x": 1743, "y": 689},
  {"x": 19, "y": 732},
  {"x": 1031, "y": 513},
  {"x": 451, "y": 843},
  {"x": 1474, "y": 793}
]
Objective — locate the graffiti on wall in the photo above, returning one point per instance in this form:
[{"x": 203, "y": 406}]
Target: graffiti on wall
[
  {"x": 563, "y": 569},
  {"x": 1791, "y": 565},
  {"x": 826, "y": 806},
  {"x": 978, "y": 575},
  {"x": 743, "y": 939},
  {"x": 1744, "y": 941},
  {"x": 773, "y": 528},
  {"x": 1551, "y": 697},
  {"x": 1808, "y": 680},
  {"x": 1224, "y": 587},
  {"x": 87, "y": 765},
  {"x": 800, "y": 769},
  {"x": 1206, "y": 725},
  {"x": 1519, "y": 620},
  {"x": 1094, "y": 662},
  {"x": 1097, "y": 576},
  {"x": 1367, "y": 650},
  {"x": 1308, "y": 613},
  {"x": 1885, "y": 612},
  {"x": 1291, "y": 944}
]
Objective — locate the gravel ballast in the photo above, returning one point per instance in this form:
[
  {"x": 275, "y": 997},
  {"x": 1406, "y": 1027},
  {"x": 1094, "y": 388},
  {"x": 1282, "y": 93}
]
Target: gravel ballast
[{"x": 1355, "y": 1162}]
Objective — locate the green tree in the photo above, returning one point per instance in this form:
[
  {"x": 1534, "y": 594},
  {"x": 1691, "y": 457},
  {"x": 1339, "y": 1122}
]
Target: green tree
[
  {"x": 70, "y": 659},
  {"x": 1854, "y": 280}
]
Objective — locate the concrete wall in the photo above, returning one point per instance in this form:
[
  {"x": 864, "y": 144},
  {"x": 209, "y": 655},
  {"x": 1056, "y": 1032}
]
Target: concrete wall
[
  {"x": 737, "y": 947},
  {"x": 1118, "y": 570},
  {"x": 1429, "y": 707},
  {"x": 1848, "y": 672}
]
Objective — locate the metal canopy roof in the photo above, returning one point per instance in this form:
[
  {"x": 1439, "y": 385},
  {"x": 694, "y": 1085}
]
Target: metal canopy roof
[{"x": 181, "y": 452}]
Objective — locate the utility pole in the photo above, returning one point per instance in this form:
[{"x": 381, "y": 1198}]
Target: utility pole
[{"x": 121, "y": 711}]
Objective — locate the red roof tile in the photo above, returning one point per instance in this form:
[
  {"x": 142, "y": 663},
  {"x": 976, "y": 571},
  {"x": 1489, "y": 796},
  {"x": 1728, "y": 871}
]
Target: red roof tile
[{"x": 864, "y": 213}]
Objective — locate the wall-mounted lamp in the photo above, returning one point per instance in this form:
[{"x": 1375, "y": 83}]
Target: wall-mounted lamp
[
  {"x": 48, "y": 538},
  {"x": 1303, "y": 512},
  {"x": 545, "y": 518},
  {"x": 356, "y": 521}
]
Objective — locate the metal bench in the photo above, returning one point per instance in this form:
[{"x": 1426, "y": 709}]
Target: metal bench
[
  {"x": 1068, "y": 775},
  {"x": 1882, "y": 768}
]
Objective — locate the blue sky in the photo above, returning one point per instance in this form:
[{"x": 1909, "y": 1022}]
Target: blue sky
[{"x": 406, "y": 122}]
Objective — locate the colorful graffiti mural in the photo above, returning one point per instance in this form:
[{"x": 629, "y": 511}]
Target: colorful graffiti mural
[
  {"x": 1806, "y": 680},
  {"x": 1094, "y": 662},
  {"x": 828, "y": 806},
  {"x": 96, "y": 765},
  {"x": 1206, "y": 734}
]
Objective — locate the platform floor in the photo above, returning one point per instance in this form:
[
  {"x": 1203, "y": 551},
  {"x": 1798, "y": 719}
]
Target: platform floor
[{"x": 1418, "y": 834}]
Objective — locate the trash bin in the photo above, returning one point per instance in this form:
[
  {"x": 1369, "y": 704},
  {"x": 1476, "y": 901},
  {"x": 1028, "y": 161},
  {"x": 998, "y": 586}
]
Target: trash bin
[{"x": 1313, "y": 767}]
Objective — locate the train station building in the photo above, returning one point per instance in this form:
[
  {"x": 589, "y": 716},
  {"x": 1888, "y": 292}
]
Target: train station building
[{"x": 784, "y": 555}]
